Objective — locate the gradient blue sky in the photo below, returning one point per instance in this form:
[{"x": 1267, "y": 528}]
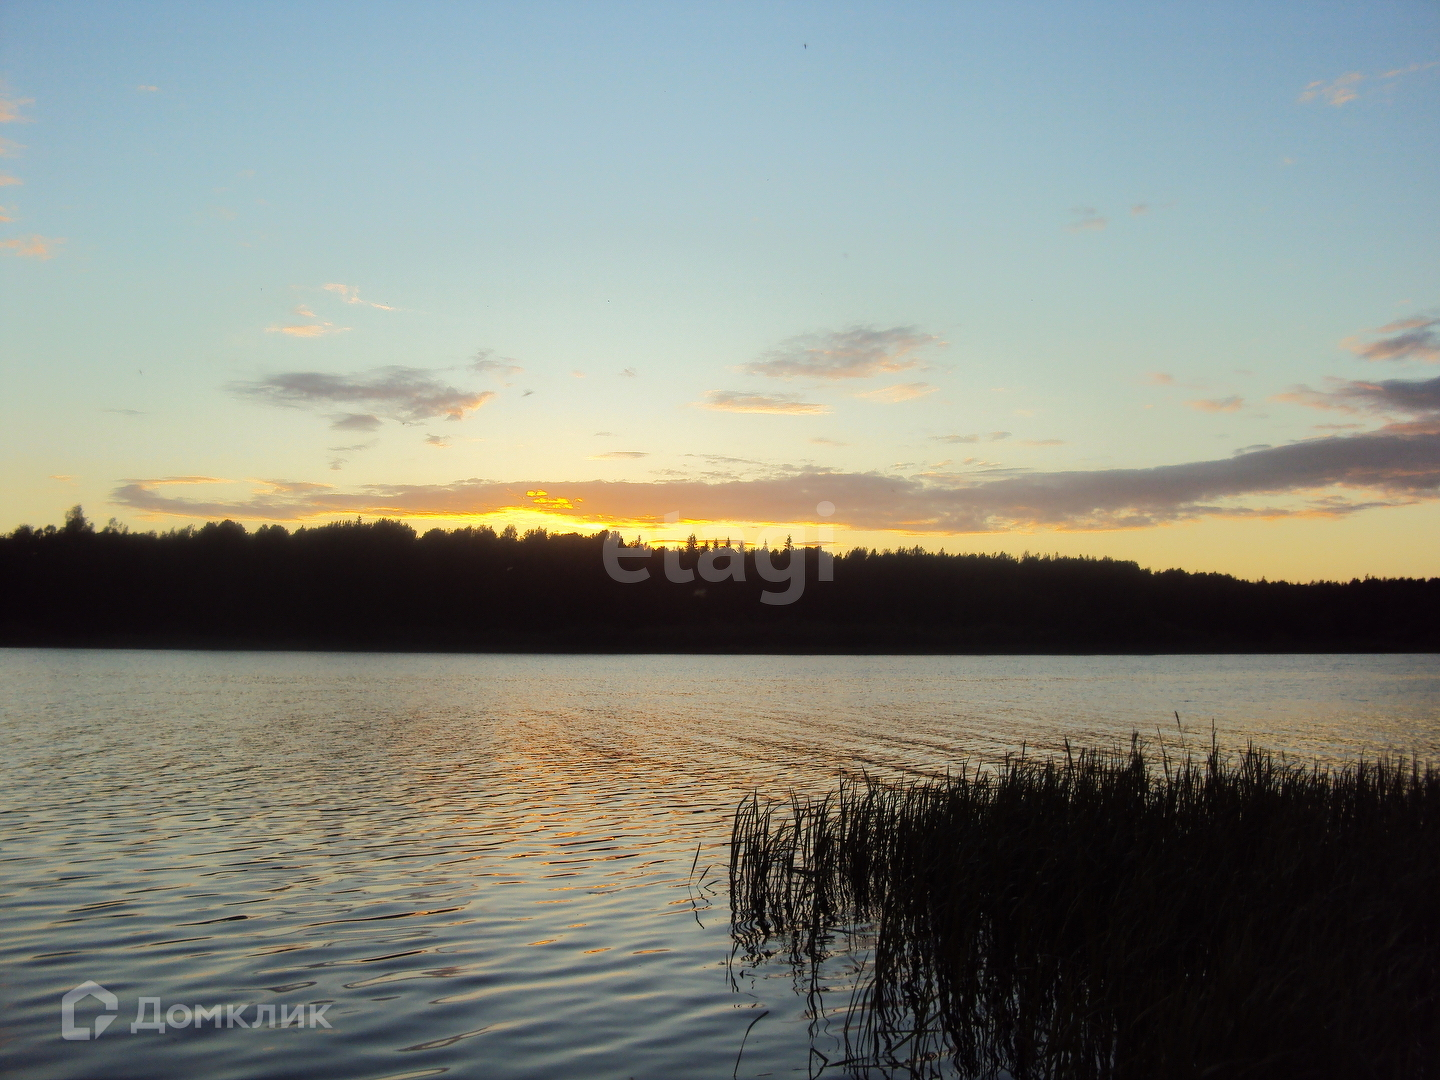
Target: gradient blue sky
[{"x": 1116, "y": 244}]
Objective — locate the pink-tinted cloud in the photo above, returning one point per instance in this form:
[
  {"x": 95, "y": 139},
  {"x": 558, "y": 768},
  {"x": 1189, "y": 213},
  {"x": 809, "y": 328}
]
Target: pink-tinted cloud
[
  {"x": 1405, "y": 397},
  {"x": 10, "y": 109},
  {"x": 738, "y": 401},
  {"x": 1336, "y": 91},
  {"x": 1388, "y": 467},
  {"x": 1407, "y": 339},
  {"x": 351, "y": 295},
  {"x": 1225, "y": 404},
  {"x": 307, "y": 330},
  {"x": 32, "y": 247}
]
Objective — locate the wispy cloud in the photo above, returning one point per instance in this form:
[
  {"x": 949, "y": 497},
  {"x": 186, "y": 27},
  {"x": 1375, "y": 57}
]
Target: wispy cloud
[
  {"x": 307, "y": 330},
  {"x": 1336, "y": 91},
  {"x": 1346, "y": 88},
  {"x": 1139, "y": 208},
  {"x": 503, "y": 368},
  {"x": 619, "y": 455},
  {"x": 351, "y": 295},
  {"x": 1160, "y": 378},
  {"x": 1407, "y": 339},
  {"x": 899, "y": 392},
  {"x": 10, "y": 181},
  {"x": 5, "y": 213},
  {"x": 10, "y": 149},
  {"x": 355, "y": 422},
  {"x": 819, "y": 441},
  {"x": 857, "y": 353},
  {"x": 1329, "y": 476},
  {"x": 32, "y": 247},
  {"x": 10, "y": 108},
  {"x": 146, "y": 88},
  {"x": 441, "y": 441},
  {"x": 1407, "y": 397},
  {"x": 738, "y": 401},
  {"x": 401, "y": 393},
  {"x": 1088, "y": 219},
  {"x": 1042, "y": 442},
  {"x": 992, "y": 436},
  {"x": 629, "y": 373},
  {"x": 1225, "y": 404}
]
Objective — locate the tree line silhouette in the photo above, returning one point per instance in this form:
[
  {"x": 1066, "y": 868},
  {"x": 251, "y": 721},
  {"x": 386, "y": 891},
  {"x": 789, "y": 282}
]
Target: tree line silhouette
[{"x": 380, "y": 585}]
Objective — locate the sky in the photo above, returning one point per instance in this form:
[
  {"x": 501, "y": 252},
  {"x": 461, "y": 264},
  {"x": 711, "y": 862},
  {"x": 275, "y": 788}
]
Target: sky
[{"x": 1152, "y": 281}]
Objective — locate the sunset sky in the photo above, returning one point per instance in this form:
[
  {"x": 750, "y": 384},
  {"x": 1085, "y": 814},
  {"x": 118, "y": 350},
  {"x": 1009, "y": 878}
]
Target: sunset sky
[{"x": 1153, "y": 281}]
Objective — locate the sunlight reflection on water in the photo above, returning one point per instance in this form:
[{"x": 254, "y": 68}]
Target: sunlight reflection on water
[{"x": 484, "y": 862}]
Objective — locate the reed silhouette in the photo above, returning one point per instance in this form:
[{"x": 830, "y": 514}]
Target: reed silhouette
[
  {"x": 379, "y": 585},
  {"x": 1113, "y": 914}
]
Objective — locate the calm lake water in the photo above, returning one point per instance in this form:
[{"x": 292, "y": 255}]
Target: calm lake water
[{"x": 482, "y": 865}]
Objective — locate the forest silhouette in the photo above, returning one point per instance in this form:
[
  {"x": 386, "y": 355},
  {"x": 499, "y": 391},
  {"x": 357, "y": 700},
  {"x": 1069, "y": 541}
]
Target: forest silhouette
[{"x": 380, "y": 585}]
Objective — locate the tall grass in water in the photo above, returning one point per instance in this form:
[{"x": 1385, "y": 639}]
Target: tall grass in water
[{"x": 1113, "y": 914}]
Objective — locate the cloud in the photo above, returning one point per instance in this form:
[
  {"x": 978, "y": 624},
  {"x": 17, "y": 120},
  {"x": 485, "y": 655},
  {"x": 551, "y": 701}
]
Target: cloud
[
  {"x": 1089, "y": 220},
  {"x": 32, "y": 247},
  {"x": 629, "y": 373},
  {"x": 1409, "y": 70},
  {"x": 505, "y": 369},
  {"x": 604, "y": 434},
  {"x": 1345, "y": 88},
  {"x": 1140, "y": 208},
  {"x": 10, "y": 110},
  {"x": 857, "y": 353},
  {"x": 818, "y": 441},
  {"x": 307, "y": 330},
  {"x": 355, "y": 448},
  {"x": 899, "y": 392},
  {"x": 441, "y": 441},
  {"x": 10, "y": 181},
  {"x": 351, "y": 295},
  {"x": 5, "y": 213},
  {"x": 1410, "y": 397},
  {"x": 1334, "y": 92},
  {"x": 1042, "y": 442},
  {"x": 738, "y": 401},
  {"x": 992, "y": 436},
  {"x": 401, "y": 393},
  {"x": 619, "y": 455},
  {"x": 1160, "y": 378},
  {"x": 146, "y": 88},
  {"x": 355, "y": 422},
  {"x": 10, "y": 149},
  {"x": 1371, "y": 469},
  {"x": 1225, "y": 404},
  {"x": 1407, "y": 339}
]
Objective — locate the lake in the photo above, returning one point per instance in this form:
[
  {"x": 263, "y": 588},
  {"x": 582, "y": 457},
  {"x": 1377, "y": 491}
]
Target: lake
[{"x": 507, "y": 866}]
